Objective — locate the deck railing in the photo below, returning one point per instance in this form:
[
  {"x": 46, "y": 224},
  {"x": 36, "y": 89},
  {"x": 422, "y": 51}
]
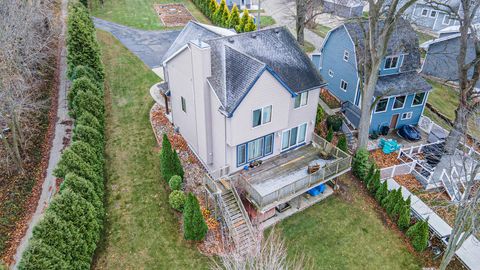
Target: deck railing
[{"x": 303, "y": 184}]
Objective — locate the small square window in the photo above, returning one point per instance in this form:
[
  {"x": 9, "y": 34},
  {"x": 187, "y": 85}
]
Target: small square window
[
  {"x": 346, "y": 55},
  {"x": 184, "y": 105},
  {"x": 433, "y": 13},
  {"x": 343, "y": 85},
  {"x": 424, "y": 12},
  {"x": 406, "y": 116},
  {"x": 381, "y": 105},
  {"x": 262, "y": 116},
  {"x": 301, "y": 100},
  {"x": 330, "y": 73}
]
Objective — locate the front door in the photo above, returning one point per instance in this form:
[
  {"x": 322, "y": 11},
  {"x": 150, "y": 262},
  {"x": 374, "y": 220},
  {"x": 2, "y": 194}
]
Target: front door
[{"x": 393, "y": 121}]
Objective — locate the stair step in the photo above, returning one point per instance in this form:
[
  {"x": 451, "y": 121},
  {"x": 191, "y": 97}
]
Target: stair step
[{"x": 238, "y": 223}]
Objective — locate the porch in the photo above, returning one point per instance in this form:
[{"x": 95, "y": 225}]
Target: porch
[{"x": 284, "y": 177}]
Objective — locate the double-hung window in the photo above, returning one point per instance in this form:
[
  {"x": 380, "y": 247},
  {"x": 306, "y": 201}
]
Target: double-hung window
[
  {"x": 446, "y": 20},
  {"x": 262, "y": 116},
  {"x": 301, "y": 100},
  {"x": 406, "y": 115},
  {"x": 418, "y": 99},
  {"x": 391, "y": 62},
  {"x": 399, "y": 102},
  {"x": 343, "y": 85},
  {"x": 433, "y": 13},
  {"x": 424, "y": 12},
  {"x": 346, "y": 55},
  {"x": 381, "y": 105},
  {"x": 294, "y": 136},
  {"x": 255, "y": 149}
]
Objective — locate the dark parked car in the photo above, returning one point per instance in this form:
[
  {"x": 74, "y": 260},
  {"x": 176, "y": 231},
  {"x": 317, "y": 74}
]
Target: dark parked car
[{"x": 409, "y": 132}]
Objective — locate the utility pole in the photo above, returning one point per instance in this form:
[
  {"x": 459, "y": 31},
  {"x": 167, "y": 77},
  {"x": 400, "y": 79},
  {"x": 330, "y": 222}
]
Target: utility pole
[{"x": 258, "y": 16}]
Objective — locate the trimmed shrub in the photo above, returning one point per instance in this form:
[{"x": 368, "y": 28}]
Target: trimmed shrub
[
  {"x": 386, "y": 199},
  {"x": 212, "y": 8},
  {"x": 178, "y": 168},
  {"x": 374, "y": 182},
  {"x": 167, "y": 159},
  {"x": 175, "y": 182},
  {"x": 360, "y": 164},
  {"x": 87, "y": 119},
  {"x": 329, "y": 136},
  {"x": 217, "y": 14},
  {"x": 84, "y": 71},
  {"x": 393, "y": 201},
  {"x": 335, "y": 122},
  {"x": 86, "y": 190},
  {"x": 342, "y": 143},
  {"x": 234, "y": 18},
  {"x": 194, "y": 226},
  {"x": 250, "y": 26},
  {"x": 177, "y": 199},
  {"x": 41, "y": 255},
  {"x": 399, "y": 205},
  {"x": 90, "y": 136},
  {"x": 81, "y": 84},
  {"x": 368, "y": 178},
  {"x": 88, "y": 154},
  {"x": 419, "y": 235},
  {"x": 224, "y": 15},
  {"x": 243, "y": 21},
  {"x": 404, "y": 218},
  {"x": 382, "y": 192},
  {"x": 320, "y": 115},
  {"x": 88, "y": 102}
]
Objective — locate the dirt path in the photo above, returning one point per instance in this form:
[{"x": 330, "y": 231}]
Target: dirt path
[{"x": 61, "y": 132}]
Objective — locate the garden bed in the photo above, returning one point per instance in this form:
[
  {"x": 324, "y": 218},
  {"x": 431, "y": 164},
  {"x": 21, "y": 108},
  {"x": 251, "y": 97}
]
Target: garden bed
[
  {"x": 193, "y": 178},
  {"x": 173, "y": 14},
  {"x": 384, "y": 160},
  {"x": 329, "y": 99}
]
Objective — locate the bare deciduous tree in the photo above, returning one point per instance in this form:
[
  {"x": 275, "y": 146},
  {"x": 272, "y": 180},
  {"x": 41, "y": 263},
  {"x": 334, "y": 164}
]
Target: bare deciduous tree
[
  {"x": 306, "y": 13},
  {"x": 26, "y": 34}
]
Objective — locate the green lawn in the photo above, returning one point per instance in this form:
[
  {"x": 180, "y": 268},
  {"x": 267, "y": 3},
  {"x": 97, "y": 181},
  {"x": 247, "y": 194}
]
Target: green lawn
[
  {"x": 142, "y": 231},
  {"x": 346, "y": 232},
  {"x": 308, "y": 47},
  {"x": 266, "y": 21},
  {"x": 321, "y": 30},
  {"x": 422, "y": 37},
  {"x": 139, "y": 13},
  {"x": 443, "y": 98}
]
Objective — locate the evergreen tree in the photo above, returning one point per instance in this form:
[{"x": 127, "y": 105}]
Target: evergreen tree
[
  {"x": 167, "y": 159},
  {"x": 40, "y": 255},
  {"x": 234, "y": 18},
  {"x": 419, "y": 235},
  {"x": 404, "y": 218},
  {"x": 393, "y": 201},
  {"x": 85, "y": 189},
  {"x": 399, "y": 205},
  {"x": 387, "y": 198},
  {"x": 224, "y": 16},
  {"x": 371, "y": 172},
  {"x": 88, "y": 102},
  {"x": 178, "y": 168},
  {"x": 360, "y": 163},
  {"x": 217, "y": 15},
  {"x": 81, "y": 84},
  {"x": 342, "y": 143},
  {"x": 382, "y": 192},
  {"x": 243, "y": 21},
  {"x": 87, "y": 119},
  {"x": 194, "y": 226},
  {"x": 250, "y": 26},
  {"x": 212, "y": 7},
  {"x": 90, "y": 136},
  {"x": 374, "y": 183},
  {"x": 88, "y": 154},
  {"x": 175, "y": 182},
  {"x": 329, "y": 136}
]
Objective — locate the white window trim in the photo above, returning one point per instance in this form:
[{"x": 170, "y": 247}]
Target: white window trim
[
  {"x": 341, "y": 82},
  {"x": 421, "y": 104},
  {"x": 386, "y": 107},
  {"x": 261, "y": 116},
  {"x": 421, "y": 13},
  {"x": 396, "y": 64},
  {"x": 330, "y": 73},
  {"x": 346, "y": 55},
  {"x": 403, "y": 105},
  {"x": 300, "y": 95},
  {"x": 298, "y": 135},
  {"x": 182, "y": 102},
  {"x": 446, "y": 16},
  {"x": 432, "y": 11},
  {"x": 408, "y": 116}
]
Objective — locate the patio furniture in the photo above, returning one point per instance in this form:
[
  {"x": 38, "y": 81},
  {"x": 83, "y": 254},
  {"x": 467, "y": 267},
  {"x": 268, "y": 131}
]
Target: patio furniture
[{"x": 389, "y": 146}]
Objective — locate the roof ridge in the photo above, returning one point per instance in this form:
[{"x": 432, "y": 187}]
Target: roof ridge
[
  {"x": 243, "y": 53},
  {"x": 247, "y": 33}
]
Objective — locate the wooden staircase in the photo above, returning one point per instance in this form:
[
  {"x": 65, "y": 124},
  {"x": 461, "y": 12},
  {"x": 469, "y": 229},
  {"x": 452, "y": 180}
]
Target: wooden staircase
[{"x": 237, "y": 221}]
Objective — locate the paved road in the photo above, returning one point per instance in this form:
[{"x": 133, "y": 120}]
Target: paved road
[
  {"x": 283, "y": 11},
  {"x": 61, "y": 132},
  {"x": 149, "y": 46}
]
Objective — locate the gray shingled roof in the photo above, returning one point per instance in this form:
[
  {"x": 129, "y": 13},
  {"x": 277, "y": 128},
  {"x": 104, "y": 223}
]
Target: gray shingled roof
[
  {"x": 404, "y": 40},
  {"x": 236, "y": 67},
  {"x": 195, "y": 31},
  {"x": 403, "y": 83}
]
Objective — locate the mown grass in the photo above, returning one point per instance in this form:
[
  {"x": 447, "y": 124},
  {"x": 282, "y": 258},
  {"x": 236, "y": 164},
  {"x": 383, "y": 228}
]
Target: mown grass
[
  {"x": 346, "y": 232},
  {"x": 321, "y": 30},
  {"x": 266, "y": 21},
  {"x": 139, "y": 13},
  {"x": 422, "y": 37},
  {"x": 443, "y": 98},
  {"x": 141, "y": 231}
]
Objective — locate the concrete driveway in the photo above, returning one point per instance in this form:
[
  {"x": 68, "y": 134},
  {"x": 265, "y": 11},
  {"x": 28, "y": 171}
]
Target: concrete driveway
[
  {"x": 149, "y": 46},
  {"x": 283, "y": 11}
]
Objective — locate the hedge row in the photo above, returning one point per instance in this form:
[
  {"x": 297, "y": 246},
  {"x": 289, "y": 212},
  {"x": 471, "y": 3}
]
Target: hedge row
[
  {"x": 392, "y": 201},
  {"x": 67, "y": 235},
  {"x": 221, "y": 16},
  {"x": 194, "y": 226}
]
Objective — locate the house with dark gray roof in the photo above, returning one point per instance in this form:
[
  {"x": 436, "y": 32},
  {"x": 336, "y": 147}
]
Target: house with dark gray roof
[
  {"x": 344, "y": 8},
  {"x": 241, "y": 100},
  {"x": 441, "y": 58},
  {"x": 400, "y": 90}
]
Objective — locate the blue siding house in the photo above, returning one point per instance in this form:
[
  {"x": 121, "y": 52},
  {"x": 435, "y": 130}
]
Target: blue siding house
[{"x": 401, "y": 91}]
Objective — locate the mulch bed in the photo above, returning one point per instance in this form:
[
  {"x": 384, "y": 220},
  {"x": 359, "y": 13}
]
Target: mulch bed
[
  {"x": 383, "y": 160},
  {"x": 329, "y": 99},
  {"x": 173, "y": 14},
  {"x": 193, "y": 178},
  {"x": 409, "y": 182}
]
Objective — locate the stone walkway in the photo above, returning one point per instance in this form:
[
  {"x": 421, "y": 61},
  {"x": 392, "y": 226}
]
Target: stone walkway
[
  {"x": 62, "y": 128},
  {"x": 149, "y": 46},
  {"x": 283, "y": 11}
]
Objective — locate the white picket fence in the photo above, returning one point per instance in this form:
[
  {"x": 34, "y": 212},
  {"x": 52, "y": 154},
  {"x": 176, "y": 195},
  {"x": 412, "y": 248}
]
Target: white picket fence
[{"x": 400, "y": 169}]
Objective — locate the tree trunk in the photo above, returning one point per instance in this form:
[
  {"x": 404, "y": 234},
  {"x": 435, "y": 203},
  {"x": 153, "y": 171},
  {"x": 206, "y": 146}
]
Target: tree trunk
[
  {"x": 366, "y": 110},
  {"x": 300, "y": 21},
  {"x": 458, "y": 131}
]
